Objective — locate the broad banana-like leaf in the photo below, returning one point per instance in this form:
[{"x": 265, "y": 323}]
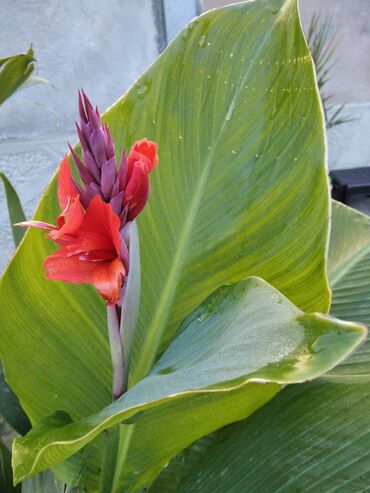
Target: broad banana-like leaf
[
  {"x": 231, "y": 356},
  {"x": 14, "y": 71},
  {"x": 312, "y": 437},
  {"x": 10, "y": 408},
  {"x": 349, "y": 264},
  {"x": 45, "y": 482},
  {"x": 240, "y": 190},
  {"x": 15, "y": 209},
  {"x": 6, "y": 474}
]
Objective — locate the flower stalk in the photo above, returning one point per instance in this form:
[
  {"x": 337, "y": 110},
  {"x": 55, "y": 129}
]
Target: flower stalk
[
  {"x": 93, "y": 227},
  {"x": 117, "y": 352}
]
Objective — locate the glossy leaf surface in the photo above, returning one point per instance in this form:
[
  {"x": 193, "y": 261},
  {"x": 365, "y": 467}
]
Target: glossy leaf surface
[
  {"x": 243, "y": 341},
  {"x": 313, "y": 437},
  {"x": 240, "y": 190}
]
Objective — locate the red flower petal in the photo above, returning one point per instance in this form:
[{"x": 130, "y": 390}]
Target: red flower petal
[
  {"x": 105, "y": 276},
  {"x": 148, "y": 149},
  {"x": 108, "y": 281},
  {"x": 69, "y": 221},
  {"x": 66, "y": 188},
  {"x": 91, "y": 249},
  {"x": 100, "y": 227},
  {"x": 143, "y": 151},
  {"x": 137, "y": 190}
]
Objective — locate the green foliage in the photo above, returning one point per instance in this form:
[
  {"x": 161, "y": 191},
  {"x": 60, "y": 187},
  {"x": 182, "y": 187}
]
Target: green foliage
[
  {"x": 241, "y": 190},
  {"x": 6, "y": 475},
  {"x": 10, "y": 408},
  {"x": 44, "y": 482},
  {"x": 16, "y": 213},
  {"x": 312, "y": 437},
  {"x": 218, "y": 366},
  {"x": 14, "y": 71}
]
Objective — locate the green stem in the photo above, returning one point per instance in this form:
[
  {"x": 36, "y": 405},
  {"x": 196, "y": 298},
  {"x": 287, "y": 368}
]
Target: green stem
[{"x": 117, "y": 353}]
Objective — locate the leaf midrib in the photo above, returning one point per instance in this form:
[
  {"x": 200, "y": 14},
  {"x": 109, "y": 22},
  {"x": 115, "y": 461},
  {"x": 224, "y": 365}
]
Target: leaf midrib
[{"x": 154, "y": 335}]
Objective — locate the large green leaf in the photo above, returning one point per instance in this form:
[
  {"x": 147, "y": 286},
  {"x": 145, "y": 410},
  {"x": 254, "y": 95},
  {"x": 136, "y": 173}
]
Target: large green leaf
[
  {"x": 44, "y": 482},
  {"x": 312, "y": 437},
  {"x": 228, "y": 359},
  {"x": 6, "y": 474},
  {"x": 10, "y": 408},
  {"x": 9, "y": 405},
  {"x": 240, "y": 190},
  {"x": 15, "y": 209},
  {"x": 349, "y": 264},
  {"x": 14, "y": 71}
]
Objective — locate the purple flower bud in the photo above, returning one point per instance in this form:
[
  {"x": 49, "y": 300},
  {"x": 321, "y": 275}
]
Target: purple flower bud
[{"x": 98, "y": 167}]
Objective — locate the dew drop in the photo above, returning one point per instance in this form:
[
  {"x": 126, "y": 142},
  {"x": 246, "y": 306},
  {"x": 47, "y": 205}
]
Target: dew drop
[
  {"x": 202, "y": 41},
  {"x": 234, "y": 152},
  {"x": 167, "y": 370},
  {"x": 142, "y": 88}
]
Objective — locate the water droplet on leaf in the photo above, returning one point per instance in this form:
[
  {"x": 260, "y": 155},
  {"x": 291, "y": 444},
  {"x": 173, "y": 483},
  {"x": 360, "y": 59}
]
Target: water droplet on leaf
[
  {"x": 202, "y": 41},
  {"x": 142, "y": 88}
]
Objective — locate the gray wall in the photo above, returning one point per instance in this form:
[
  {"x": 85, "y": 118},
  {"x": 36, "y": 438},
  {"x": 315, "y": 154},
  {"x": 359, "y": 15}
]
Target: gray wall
[{"x": 102, "y": 46}]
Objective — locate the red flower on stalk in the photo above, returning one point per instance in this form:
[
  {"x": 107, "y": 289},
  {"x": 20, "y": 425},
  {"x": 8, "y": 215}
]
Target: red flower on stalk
[
  {"x": 91, "y": 243},
  {"x": 91, "y": 228},
  {"x": 93, "y": 254}
]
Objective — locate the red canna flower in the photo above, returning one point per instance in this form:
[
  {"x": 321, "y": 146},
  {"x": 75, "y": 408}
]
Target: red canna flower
[
  {"x": 91, "y": 227},
  {"x": 93, "y": 254},
  {"x": 92, "y": 249}
]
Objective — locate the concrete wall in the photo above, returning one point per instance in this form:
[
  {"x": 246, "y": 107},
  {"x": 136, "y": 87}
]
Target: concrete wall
[{"x": 102, "y": 46}]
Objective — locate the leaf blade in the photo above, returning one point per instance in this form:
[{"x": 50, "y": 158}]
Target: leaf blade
[
  {"x": 14, "y": 71},
  {"x": 313, "y": 437},
  {"x": 16, "y": 214},
  {"x": 301, "y": 348}
]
